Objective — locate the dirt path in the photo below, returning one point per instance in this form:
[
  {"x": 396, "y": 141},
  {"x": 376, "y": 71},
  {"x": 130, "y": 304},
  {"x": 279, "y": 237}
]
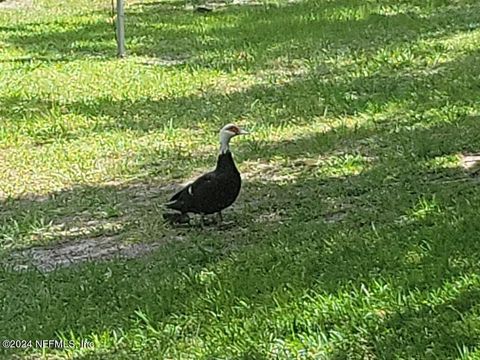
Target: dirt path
[{"x": 50, "y": 258}]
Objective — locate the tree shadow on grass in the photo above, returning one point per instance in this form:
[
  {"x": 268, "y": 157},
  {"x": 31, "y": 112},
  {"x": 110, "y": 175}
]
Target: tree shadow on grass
[
  {"x": 298, "y": 101},
  {"x": 406, "y": 226},
  {"x": 240, "y": 37},
  {"x": 444, "y": 327},
  {"x": 278, "y": 260},
  {"x": 364, "y": 146},
  {"x": 72, "y": 41}
]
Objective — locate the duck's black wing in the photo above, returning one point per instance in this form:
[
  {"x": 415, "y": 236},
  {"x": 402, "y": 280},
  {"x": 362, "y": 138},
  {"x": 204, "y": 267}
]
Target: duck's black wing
[
  {"x": 177, "y": 195},
  {"x": 192, "y": 198},
  {"x": 211, "y": 192}
]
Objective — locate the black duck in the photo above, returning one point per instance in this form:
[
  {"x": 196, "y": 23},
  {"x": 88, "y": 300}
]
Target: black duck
[{"x": 214, "y": 191}]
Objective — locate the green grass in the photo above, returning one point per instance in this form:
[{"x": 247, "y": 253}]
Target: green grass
[{"x": 356, "y": 235}]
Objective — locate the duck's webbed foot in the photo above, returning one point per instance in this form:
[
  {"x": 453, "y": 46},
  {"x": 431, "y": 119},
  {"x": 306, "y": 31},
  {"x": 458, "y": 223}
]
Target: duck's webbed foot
[
  {"x": 177, "y": 218},
  {"x": 223, "y": 224}
]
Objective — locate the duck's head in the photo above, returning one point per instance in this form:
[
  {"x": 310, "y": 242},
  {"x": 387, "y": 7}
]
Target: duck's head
[
  {"x": 232, "y": 130},
  {"x": 228, "y": 132}
]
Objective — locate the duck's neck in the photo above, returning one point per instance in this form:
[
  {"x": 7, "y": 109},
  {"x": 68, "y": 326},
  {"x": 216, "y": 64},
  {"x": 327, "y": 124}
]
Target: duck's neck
[
  {"x": 224, "y": 148},
  {"x": 225, "y": 163},
  {"x": 224, "y": 143}
]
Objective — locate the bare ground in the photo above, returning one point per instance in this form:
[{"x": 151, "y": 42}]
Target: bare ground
[
  {"x": 60, "y": 255},
  {"x": 102, "y": 248},
  {"x": 15, "y": 4},
  {"x": 470, "y": 161}
]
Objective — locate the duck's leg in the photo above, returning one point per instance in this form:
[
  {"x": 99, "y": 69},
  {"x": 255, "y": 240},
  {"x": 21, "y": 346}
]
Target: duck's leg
[
  {"x": 184, "y": 219},
  {"x": 223, "y": 224}
]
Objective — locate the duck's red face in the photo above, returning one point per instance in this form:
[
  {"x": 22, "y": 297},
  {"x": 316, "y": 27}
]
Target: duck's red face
[{"x": 234, "y": 130}]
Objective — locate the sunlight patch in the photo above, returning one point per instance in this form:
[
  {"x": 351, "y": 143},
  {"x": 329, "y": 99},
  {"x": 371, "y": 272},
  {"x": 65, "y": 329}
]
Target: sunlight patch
[
  {"x": 424, "y": 208},
  {"x": 443, "y": 162},
  {"x": 285, "y": 170},
  {"x": 463, "y": 41}
]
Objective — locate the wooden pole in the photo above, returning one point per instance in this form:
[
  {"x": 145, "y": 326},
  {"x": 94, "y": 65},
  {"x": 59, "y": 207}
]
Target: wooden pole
[{"x": 121, "y": 28}]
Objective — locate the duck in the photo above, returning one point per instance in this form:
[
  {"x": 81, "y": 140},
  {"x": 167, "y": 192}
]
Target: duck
[{"x": 214, "y": 191}]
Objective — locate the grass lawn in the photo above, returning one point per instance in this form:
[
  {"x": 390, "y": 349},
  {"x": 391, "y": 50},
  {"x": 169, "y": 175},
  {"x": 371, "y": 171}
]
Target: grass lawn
[{"x": 357, "y": 232}]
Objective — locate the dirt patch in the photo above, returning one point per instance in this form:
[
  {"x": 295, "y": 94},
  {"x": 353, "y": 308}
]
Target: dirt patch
[
  {"x": 50, "y": 258},
  {"x": 271, "y": 217},
  {"x": 165, "y": 61},
  {"x": 470, "y": 162},
  {"x": 15, "y": 4},
  {"x": 217, "y": 5},
  {"x": 334, "y": 217}
]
